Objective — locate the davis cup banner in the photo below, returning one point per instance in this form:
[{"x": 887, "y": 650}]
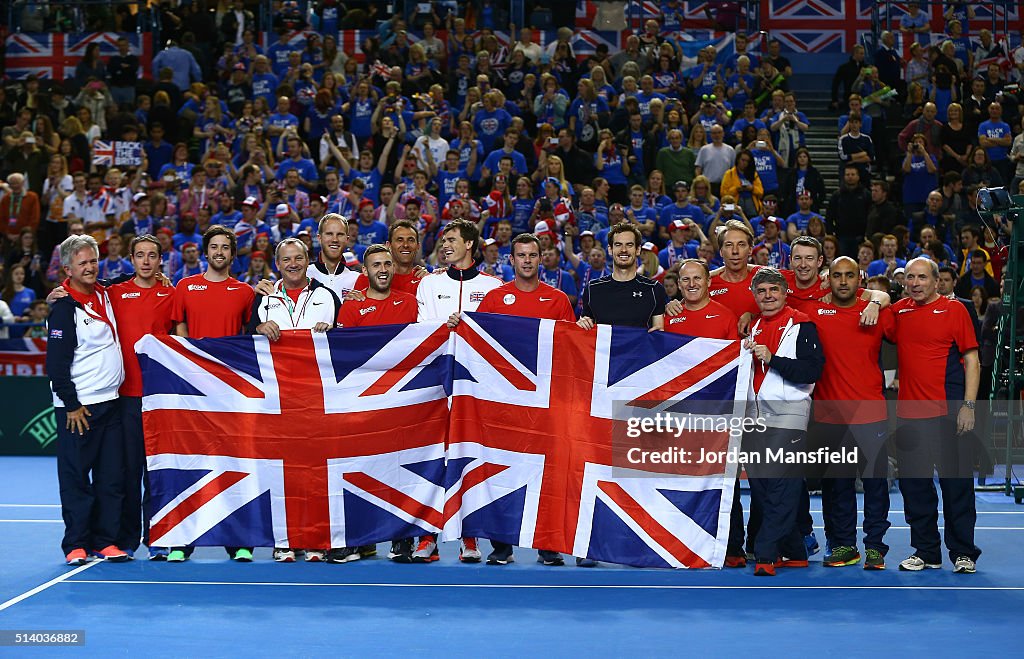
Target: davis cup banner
[{"x": 513, "y": 429}]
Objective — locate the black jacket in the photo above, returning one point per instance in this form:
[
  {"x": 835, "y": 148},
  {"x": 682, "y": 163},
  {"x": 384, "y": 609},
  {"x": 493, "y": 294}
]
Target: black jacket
[
  {"x": 813, "y": 181},
  {"x": 844, "y": 77},
  {"x": 848, "y": 212}
]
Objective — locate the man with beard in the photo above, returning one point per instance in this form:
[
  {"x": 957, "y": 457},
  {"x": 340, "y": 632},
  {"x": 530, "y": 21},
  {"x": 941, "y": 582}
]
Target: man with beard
[
  {"x": 850, "y": 411},
  {"x": 624, "y": 297},
  {"x": 210, "y": 305}
]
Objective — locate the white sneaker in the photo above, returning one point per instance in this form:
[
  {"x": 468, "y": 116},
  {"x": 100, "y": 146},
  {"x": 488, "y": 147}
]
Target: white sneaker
[
  {"x": 470, "y": 552},
  {"x": 964, "y": 565},
  {"x": 284, "y": 555},
  {"x": 426, "y": 550},
  {"x": 314, "y": 556},
  {"x": 915, "y": 564}
]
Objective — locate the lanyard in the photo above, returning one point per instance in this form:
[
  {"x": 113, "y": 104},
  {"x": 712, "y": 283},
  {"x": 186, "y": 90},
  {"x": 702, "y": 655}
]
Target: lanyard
[{"x": 290, "y": 306}]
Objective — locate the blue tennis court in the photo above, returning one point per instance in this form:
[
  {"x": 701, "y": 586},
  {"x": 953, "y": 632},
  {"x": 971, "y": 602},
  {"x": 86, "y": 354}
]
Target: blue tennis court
[{"x": 210, "y": 606}]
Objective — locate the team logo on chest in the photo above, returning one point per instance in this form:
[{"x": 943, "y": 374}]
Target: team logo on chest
[{"x": 509, "y": 299}]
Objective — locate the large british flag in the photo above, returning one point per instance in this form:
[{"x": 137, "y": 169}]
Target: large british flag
[
  {"x": 370, "y": 434},
  {"x": 55, "y": 55}
]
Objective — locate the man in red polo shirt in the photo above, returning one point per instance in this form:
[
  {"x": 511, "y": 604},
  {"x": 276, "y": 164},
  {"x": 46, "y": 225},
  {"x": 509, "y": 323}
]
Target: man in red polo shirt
[
  {"x": 730, "y": 286},
  {"x": 382, "y": 303},
  {"x": 700, "y": 316},
  {"x": 143, "y": 306},
  {"x": 937, "y": 352},
  {"x": 528, "y": 296},
  {"x": 211, "y": 305},
  {"x": 850, "y": 411}
]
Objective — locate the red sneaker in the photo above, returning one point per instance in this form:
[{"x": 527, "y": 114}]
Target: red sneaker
[
  {"x": 791, "y": 562},
  {"x": 764, "y": 570},
  {"x": 113, "y": 554},
  {"x": 76, "y": 557},
  {"x": 735, "y": 561}
]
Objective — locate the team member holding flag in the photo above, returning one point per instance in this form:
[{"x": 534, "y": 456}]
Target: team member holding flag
[
  {"x": 445, "y": 295},
  {"x": 527, "y": 296}
]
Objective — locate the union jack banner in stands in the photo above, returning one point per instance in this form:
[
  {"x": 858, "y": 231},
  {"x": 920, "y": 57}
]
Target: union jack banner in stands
[
  {"x": 55, "y": 55},
  {"x": 372, "y": 434}
]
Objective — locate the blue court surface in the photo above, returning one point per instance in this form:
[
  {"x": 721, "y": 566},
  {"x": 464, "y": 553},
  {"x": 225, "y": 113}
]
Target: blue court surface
[{"x": 210, "y": 607}]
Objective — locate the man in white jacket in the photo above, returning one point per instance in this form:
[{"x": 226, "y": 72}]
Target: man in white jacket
[
  {"x": 788, "y": 360},
  {"x": 445, "y": 295}
]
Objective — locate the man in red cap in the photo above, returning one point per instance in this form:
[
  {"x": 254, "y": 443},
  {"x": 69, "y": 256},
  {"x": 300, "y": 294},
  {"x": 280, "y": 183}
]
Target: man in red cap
[
  {"x": 778, "y": 250},
  {"x": 371, "y": 231}
]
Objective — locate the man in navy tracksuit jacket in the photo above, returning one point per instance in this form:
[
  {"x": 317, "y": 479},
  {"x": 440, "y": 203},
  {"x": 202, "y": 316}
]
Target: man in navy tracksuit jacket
[
  {"x": 83, "y": 360},
  {"x": 787, "y": 361}
]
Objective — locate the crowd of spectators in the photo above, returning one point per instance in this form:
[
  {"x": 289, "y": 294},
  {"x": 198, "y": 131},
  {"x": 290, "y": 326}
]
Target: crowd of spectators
[{"x": 454, "y": 123}]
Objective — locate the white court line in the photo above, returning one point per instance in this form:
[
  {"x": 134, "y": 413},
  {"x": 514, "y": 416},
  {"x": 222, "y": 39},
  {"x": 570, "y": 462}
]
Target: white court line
[
  {"x": 528, "y": 586},
  {"x": 52, "y": 582},
  {"x": 32, "y": 521},
  {"x": 976, "y": 528},
  {"x": 29, "y": 505},
  {"x": 979, "y": 512}
]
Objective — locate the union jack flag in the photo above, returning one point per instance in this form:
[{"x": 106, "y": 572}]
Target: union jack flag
[
  {"x": 56, "y": 55},
  {"x": 564, "y": 413},
  {"x": 586, "y": 41},
  {"x": 402, "y": 430}
]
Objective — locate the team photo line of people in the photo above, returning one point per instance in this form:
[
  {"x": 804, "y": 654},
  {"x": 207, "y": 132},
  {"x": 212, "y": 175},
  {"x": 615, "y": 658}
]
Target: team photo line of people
[{"x": 299, "y": 188}]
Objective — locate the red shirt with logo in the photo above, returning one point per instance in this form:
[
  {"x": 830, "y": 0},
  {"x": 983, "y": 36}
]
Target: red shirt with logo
[
  {"x": 926, "y": 336},
  {"x": 139, "y": 311},
  {"x": 804, "y": 299},
  {"x": 714, "y": 321},
  {"x": 406, "y": 283},
  {"x": 850, "y": 390},
  {"x": 736, "y": 296},
  {"x": 397, "y": 309},
  {"x": 545, "y": 301},
  {"x": 212, "y": 308}
]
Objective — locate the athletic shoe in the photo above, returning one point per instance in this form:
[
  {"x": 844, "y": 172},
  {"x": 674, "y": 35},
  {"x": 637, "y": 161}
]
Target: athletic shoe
[
  {"x": 426, "y": 550},
  {"x": 176, "y": 556},
  {"x": 314, "y": 556},
  {"x": 873, "y": 560},
  {"x": 550, "y": 558},
  {"x": 791, "y": 562},
  {"x": 76, "y": 557},
  {"x": 343, "y": 555},
  {"x": 841, "y": 557},
  {"x": 764, "y": 570},
  {"x": 585, "y": 562},
  {"x": 735, "y": 561},
  {"x": 366, "y": 551},
  {"x": 470, "y": 553},
  {"x": 113, "y": 554},
  {"x": 401, "y": 551},
  {"x": 284, "y": 555},
  {"x": 811, "y": 542},
  {"x": 501, "y": 556},
  {"x": 964, "y": 565},
  {"x": 243, "y": 555},
  {"x": 915, "y": 563},
  {"x": 158, "y": 553}
]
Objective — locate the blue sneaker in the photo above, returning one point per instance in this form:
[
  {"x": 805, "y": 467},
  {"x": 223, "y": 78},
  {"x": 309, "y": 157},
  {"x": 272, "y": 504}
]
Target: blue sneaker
[
  {"x": 158, "y": 553},
  {"x": 585, "y": 562},
  {"x": 811, "y": 542}
]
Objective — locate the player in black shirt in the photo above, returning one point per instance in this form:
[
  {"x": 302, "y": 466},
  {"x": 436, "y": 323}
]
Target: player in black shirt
[{"x": 623, "y": 297}]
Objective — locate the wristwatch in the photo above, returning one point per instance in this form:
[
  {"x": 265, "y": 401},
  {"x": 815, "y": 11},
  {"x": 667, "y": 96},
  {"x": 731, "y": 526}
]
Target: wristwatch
[
  {"x": 969, "y": 404},
  {"x": 878, "y": 302}
]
